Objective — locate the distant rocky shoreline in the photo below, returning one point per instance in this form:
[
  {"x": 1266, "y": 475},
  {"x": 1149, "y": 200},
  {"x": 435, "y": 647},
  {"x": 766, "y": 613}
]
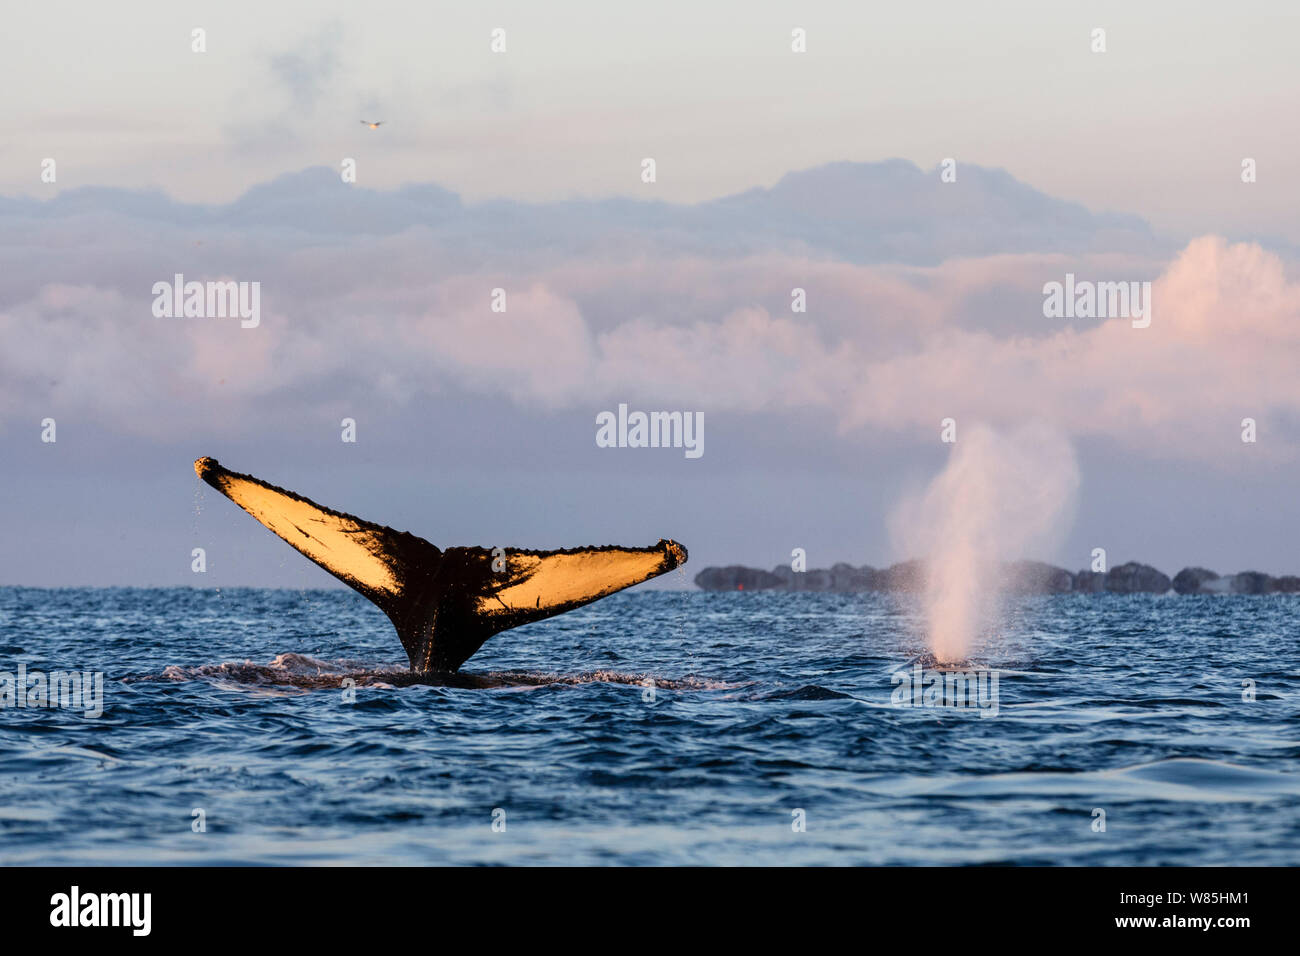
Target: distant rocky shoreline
[{"x": 1019, "y": 577}]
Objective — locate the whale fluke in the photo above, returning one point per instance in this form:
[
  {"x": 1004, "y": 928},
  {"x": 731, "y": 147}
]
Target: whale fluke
[{"x": 444, "y": 603}]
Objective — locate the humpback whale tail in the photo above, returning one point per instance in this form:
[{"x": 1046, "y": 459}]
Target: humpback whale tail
[{"x": 444, "y": 603}]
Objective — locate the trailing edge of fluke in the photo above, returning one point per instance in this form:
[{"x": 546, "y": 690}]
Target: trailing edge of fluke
[{"x": 444, "y": 603}]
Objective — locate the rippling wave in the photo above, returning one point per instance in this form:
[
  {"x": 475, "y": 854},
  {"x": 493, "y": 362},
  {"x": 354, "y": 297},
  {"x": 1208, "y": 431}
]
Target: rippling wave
[
  {"x": 309, "y": 673},
  {"x": 651, "y": 727}
]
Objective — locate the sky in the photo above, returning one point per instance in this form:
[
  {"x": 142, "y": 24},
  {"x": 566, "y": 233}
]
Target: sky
[
  {"x": 1156, "y": 126},
  {"x": 523, "y": 171}
]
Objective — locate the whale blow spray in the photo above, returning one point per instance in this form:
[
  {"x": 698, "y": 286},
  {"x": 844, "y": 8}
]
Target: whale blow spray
[{"x": 1000, "y": 498}]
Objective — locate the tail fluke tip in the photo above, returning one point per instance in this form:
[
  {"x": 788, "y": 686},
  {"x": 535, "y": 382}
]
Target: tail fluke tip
[{"x": 675, "y": 552}]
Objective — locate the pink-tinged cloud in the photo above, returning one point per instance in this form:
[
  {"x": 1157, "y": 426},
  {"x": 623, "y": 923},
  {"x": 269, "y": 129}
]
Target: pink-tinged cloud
[
  {"x": 1223, "y": 345},
  {"x": 894, "y": 349}
]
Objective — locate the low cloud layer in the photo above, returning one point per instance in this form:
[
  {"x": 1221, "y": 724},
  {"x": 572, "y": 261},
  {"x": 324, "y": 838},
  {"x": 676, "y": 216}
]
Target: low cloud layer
[
  {"x": 885, "y": 346},
  {"x": 380, "y": 306}
]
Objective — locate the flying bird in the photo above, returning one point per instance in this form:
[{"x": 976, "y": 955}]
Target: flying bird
[{"x": 375, "y": 125}]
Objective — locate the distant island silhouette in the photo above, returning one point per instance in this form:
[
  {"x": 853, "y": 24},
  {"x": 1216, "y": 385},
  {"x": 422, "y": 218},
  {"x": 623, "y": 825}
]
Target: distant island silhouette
[{"x": 1017, "y": 577}]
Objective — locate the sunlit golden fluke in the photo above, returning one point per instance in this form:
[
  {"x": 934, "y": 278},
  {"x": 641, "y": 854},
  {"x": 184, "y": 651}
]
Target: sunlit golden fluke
[{"x": 444, "y": 603}]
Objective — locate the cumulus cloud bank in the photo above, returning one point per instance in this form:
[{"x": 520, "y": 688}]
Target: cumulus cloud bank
[{"x": 611, "y": 312}]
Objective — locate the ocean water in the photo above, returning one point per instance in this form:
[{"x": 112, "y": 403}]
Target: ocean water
[{"x": 768, "y": 710}]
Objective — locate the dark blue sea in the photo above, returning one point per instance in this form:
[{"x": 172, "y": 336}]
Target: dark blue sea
[{"x": 771, "y": 734}]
